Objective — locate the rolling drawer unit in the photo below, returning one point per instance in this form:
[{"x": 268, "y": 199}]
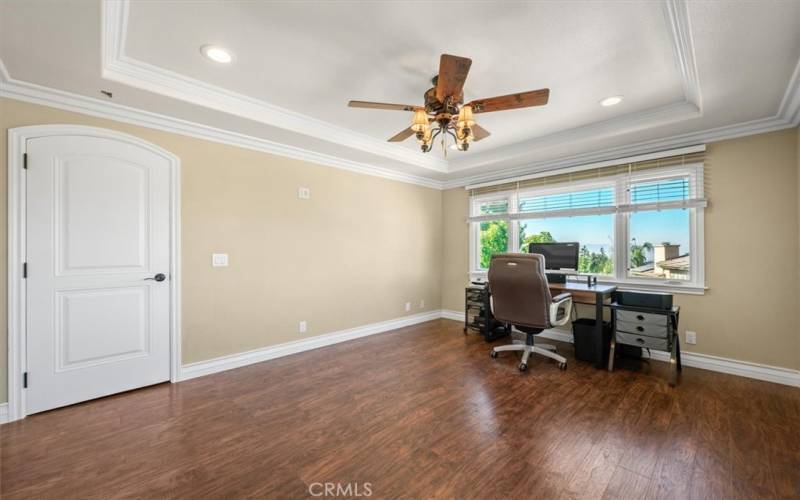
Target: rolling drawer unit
[
  {"x": 478, "y": 315},
  {"x": 648, "y": 328}
]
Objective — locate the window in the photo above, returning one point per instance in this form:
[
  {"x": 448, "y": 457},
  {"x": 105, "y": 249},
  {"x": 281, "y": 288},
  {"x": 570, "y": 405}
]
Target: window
[
  {"x": 595, "y": 233},
  {"x": 641, "y": 227},
  {"x": 660, "y": 245}
]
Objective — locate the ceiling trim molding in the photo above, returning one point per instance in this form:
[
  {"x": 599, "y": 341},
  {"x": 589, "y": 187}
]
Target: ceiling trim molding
[
  {"x": 789, "y": 109},
  {"x": 119, "y": 67},
  {"x": 787, "y": 117},
  {"x": 680, "y": 28},
  {"x": 631, "y": 122},
  {"x": 676, "y": 18},
  {"x": 38, "y": 94},
  {"x": 753, "y": 127}
]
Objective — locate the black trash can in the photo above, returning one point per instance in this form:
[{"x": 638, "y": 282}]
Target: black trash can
[{"x": 586, "y": 348}]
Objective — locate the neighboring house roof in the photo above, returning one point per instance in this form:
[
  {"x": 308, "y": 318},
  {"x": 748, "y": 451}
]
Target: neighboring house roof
[
  {"x": 646, "y": 267},
  {"x": 680, "y": 263}
]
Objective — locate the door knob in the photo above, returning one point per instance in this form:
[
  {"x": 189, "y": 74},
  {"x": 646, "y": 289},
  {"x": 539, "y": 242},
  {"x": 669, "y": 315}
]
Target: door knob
[{"x": 157, "y": 277}]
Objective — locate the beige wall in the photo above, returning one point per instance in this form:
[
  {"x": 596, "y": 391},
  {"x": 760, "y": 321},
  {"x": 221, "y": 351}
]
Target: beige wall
[
  {"x": 750, "y": 311},
  {"x": 352, "y": 255},
  {"x": 363, "y": 246}
]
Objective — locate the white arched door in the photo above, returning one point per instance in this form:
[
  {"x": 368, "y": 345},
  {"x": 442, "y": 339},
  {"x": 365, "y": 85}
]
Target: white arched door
[{"x": 97, "y": 217}]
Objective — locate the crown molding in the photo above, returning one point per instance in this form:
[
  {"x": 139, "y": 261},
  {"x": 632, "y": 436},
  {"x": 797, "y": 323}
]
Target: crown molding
[
  {"x": 676, "y": 19},
  {"x": 789, "y": 109},
  {"x": 117, "y": 66},
  {"x": 752, "y": 127},
  {"x": 38, "y": 94},
  {"x": 121, "y": 68},
  {"x": 676, "y": 14},
  {"x": 630, "y": 122}
]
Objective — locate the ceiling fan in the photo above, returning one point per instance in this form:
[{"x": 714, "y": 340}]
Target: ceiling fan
[{"x": 444, "y": 106}]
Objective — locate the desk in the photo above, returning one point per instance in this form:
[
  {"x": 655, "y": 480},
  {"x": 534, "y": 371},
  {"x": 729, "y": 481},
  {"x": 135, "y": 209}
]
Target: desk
[
  {"x": 593, "y": 295},
  {"x": 477, "y": 303}
]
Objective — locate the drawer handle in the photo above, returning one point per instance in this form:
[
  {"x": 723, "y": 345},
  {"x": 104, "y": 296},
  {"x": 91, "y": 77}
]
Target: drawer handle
[
  {"x": 640, "y": 317},
  {"x": 639, "y": 329},
  {"x": 641, "y": 341}
]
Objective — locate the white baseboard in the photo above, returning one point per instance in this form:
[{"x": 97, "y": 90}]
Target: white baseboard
[
  {"x": 451, "y": 314},
  {"x": 747, "y": 369},
  {"x": 201, "y": 368},
  {"x": 3, "y": 413}
]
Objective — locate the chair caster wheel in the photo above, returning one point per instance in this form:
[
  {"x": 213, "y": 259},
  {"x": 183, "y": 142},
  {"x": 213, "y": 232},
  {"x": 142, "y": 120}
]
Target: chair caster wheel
[
  {"x": 523, "y": 367},
  {"x": 563, "y": 366},
  {"x": 493, "y": 353}
]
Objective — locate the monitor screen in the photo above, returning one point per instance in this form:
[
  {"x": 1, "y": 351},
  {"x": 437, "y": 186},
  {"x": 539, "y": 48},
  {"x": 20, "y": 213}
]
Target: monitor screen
[{"x": 557, "y": 255}]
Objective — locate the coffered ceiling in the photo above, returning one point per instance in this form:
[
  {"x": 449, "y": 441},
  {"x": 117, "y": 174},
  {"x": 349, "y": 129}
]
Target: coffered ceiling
[{"x": 689, "y": 72}]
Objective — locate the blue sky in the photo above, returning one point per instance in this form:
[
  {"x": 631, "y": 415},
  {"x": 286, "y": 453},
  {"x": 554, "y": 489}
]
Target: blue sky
[{"x": 595, "y": 231}]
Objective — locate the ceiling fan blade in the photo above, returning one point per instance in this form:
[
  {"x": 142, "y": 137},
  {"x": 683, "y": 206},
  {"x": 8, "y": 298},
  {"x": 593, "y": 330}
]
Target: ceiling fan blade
[
  {"x": 383, "y": 105},
  {"x": 402, "y": 136},
  {"x": 511, "y": 101},
  {"x": 453, "y": 72},
  {"x": 479, "y": 132}
]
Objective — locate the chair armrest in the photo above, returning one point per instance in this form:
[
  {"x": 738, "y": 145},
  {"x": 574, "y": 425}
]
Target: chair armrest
[
  {"x": 561, "y": 296},
  {"x": 563, "y": 300}
]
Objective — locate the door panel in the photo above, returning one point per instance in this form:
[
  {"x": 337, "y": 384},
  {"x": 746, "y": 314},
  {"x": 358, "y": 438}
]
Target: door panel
[
  {"x": 97, "y": 227},
  {"x": 103, "y": 325},
  {"x": 101, "y": 195}
]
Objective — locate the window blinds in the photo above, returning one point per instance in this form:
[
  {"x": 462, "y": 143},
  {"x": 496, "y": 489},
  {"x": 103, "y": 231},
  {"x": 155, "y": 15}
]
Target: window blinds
[{"x": 651, "y": 184}]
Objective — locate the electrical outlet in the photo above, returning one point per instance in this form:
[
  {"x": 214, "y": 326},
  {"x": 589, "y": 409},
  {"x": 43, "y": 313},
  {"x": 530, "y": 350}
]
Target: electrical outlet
[
  {"x": 691, "y": 337},
  {"x": 303, "y": 327},
  {"x": 408, "y": 306},
  {"x": 422, "y": 304},
  {"x": 304, "y": 193}
]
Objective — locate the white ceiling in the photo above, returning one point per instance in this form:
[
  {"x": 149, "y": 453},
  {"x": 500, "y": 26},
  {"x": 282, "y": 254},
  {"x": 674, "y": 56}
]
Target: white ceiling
[{"x": 683, "y": 68}]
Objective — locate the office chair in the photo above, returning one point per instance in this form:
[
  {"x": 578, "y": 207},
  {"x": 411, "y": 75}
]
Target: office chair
[{"x": 521, "y": 297}]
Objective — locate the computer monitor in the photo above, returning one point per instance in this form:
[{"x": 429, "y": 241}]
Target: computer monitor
[{"x": 557, "y": 256}]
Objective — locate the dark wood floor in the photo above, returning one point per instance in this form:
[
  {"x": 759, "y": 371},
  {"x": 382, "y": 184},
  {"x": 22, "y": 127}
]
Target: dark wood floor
[{"x": 422, "y": 412}]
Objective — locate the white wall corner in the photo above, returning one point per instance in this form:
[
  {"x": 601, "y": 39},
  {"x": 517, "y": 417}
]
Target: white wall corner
[{"x": 3, "y": 413}]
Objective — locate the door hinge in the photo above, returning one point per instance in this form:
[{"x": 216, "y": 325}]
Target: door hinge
[
  {"x": 25, "y": 380},
  {"x": 24, "y": 269},
  {"x": 25, "y": 161}
]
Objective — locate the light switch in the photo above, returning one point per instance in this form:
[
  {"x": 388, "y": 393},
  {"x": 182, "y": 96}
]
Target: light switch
[
  {"x": 304, "y": 193},
  {"x": 219, "y": 260}
]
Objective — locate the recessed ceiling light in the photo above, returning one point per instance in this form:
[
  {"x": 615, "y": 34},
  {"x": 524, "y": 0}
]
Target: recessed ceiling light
[
  {"x": 612, "y": 101},
  {"x": 216, "y": 54}
]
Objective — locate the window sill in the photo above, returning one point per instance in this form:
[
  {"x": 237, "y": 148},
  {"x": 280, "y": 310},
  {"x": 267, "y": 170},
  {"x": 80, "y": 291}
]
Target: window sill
[{"x": 677, "y": 288}]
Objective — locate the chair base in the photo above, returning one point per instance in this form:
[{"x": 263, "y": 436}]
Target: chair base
[{"x": 546, "y": 350}]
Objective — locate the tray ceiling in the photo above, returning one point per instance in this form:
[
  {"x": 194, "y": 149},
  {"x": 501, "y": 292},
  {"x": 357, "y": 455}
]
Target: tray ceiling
[{"x": 683, "y": 69}]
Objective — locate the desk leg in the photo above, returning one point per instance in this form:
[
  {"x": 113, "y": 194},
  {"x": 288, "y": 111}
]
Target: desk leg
[
  {"x": 611, "y": 353},
  {"x": 598, "y": 327}
]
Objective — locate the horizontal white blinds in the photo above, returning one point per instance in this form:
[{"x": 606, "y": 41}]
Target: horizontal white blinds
[
  {"x": 673, "y": 182},
  {"x": 595, "y": 173},
  {"x": 590, "y": 198}
]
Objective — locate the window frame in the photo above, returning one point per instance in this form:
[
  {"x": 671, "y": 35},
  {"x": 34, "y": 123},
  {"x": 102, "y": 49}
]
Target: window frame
[{"x": 621, "y": 219}]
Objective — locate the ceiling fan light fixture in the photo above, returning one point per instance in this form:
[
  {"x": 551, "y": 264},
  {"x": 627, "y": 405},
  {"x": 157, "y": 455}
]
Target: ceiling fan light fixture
[
  {"x": 424, "y": 138},
  {"x": 612, "y": 100},
  {"x": 420, "y": 122},
  {"x": 216, "y": 54},
  {"x": 465, "y": 117}
]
